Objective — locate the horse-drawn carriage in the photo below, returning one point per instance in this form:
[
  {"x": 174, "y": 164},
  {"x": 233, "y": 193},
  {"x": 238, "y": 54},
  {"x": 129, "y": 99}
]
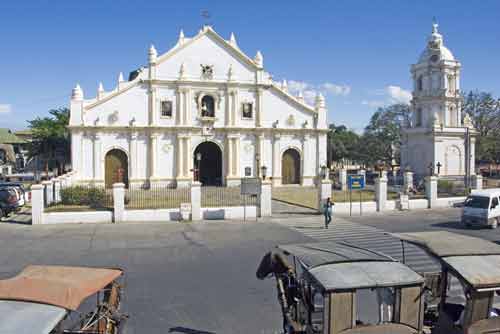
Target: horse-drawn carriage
[
  {"x": 325, "y": 287},
  {"x": 475, "y": 264},
  {"x": 52, "y": 299}
]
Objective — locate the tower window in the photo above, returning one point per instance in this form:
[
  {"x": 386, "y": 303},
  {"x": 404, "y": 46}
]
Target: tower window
[
  {"x": 166, "y": 108},
  {"x": 418, "y": 117},
  {"x": 420, "y": 83}
]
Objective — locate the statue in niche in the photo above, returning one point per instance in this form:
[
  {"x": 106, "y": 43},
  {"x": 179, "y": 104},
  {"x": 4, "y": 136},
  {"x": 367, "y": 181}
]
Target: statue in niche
[{"x": 207, "y": 106}]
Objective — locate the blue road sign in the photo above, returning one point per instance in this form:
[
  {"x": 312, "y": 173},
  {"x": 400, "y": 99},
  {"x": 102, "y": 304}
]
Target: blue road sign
[{"x": 356, "y": 182}]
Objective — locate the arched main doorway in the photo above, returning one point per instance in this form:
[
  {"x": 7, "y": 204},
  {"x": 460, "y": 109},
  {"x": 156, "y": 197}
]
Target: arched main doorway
[
  {"x": 116, "y": 168},
  {"x": 290, "y": 167},
  {"x": 210, "y": 164}
]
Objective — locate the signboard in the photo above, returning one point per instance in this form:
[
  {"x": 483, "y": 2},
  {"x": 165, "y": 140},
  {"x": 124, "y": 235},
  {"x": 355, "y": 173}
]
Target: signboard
[
  {"x": 251, "y": 186},
  {"x": 355, "y": 182}
]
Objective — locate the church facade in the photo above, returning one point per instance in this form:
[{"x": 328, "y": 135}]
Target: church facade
[
  {"x": 435, "y": 141},
  {"x": 201, "y": 111}
]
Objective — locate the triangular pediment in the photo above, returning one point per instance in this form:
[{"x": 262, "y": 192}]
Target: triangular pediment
[{"x": 206, "y": 48}]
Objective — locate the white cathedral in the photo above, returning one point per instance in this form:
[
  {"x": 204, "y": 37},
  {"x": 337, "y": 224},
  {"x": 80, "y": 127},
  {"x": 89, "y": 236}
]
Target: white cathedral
[
  {"x": 201, "y": 111},
  {"x": 435, "y": 141}
]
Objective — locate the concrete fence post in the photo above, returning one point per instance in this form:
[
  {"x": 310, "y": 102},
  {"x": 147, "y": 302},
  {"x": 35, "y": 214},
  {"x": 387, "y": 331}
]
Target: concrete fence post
[
  {"x": 119, "y": 202},
  {"x": 431, "y": 190},
  {"x": 48, "y": 192},
  {"x": 265, "y": 199},
  {"x": 325, "y": 191},
  {"x": 381, "y": 192},
  {"x": 343, "y": 178},
  {"x": 196, "y": 201},
  {"x": 407, "y": 181},
  {"x": 477, "y": 182},
  {"x": 37, "y": 203},
  {"x": 57, "y": 190}
]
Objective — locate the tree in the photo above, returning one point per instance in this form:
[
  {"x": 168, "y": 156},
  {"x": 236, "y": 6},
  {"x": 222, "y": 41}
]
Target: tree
[
  {"x": 381, "y": 140},
  {"x": 342, "y": 144},
  {"x": 51, "y": 138},
  {"x": 484, "y": 111}
]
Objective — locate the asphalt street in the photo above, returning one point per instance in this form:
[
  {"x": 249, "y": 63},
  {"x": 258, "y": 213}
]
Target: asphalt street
[{"x": 199, "y": 278}]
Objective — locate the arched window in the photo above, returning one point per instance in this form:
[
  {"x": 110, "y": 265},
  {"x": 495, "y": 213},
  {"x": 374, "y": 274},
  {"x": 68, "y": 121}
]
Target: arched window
[
  {"x": 420, "y": 83},
  {"x": 452, "y": 87},
  {"x": 207, "y": 106},
  {"x": 418, "y": 117}
]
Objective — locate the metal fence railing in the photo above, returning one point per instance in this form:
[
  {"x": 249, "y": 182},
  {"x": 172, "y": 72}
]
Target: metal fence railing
[
  {"x": 214, "y": 196},
  {"x": 451, "y": 186},
  {"x": 156, "y": 197},
  {"x": 302, "y": 196},
  {"x": 82, "y": 197},
  {"x": 489, "y": 183}
]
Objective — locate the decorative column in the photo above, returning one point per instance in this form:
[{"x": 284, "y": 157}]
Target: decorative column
[
  {"x": 96, "y": 145},
  {"x": 179, "y": 156},
  {"x": 118, "y": 202},
  {"x": 184, "y": 160},
  {"x": 307, "y": 179},
  {"x": 233, "y": 163},
  {"x": 343, "y": 178},
  {"x": 196, "y": 201},
  {"x": 477, "y": 182},
  {"x": 258, "y": 109},
  {"x": 180, "y": 107},
  {"x": 276, "y": 160},
  {"x": 265, "y": 199},
  {"x": 133, "y": 157},
  {"x": 154, "y": 156},
  {"x": 259, "y": 138}
]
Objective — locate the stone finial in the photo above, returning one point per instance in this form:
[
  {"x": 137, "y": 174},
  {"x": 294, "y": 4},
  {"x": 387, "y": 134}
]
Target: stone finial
[
  {"x": 181, "y": 37},
  {"x": 284, "y": 86},
  {"x": 182, "y": 71},
  {"x": 468, "y": 121},
  {"x": 300, "y": 96},
  {"x": 120, "y": 77},
  {"x": 77, "y": 93},
  {"x": 230, "y": 74},
  {"x": 259, "y": 60},
  {"x": 152, "y": 54},
  {"x": 100, "y": 90},
  {"x": 232, "y": 40},
  {"x": 320, "y": 101}
]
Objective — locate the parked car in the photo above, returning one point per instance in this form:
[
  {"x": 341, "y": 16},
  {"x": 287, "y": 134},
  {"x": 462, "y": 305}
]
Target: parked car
[
  {"x": 20, "y": 190},
  {"x": 482, "y": 208},
  {"x": 8, "y": 201}
]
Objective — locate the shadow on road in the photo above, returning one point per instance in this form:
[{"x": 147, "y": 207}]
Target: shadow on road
[
  {"x": 456, "y": 226},
  {"x": 185, "y": 330},
  {"x": 22, "y": 217}
]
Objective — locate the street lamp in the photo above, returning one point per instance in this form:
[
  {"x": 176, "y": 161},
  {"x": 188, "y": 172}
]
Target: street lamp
[
  {"x": 263, "y": 171},
  {"x": 431, "y": 169},
  {"x": 257, "y": 163},
  {"x": 198, "y": 164}
]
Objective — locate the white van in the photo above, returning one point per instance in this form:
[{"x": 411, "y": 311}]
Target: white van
[{"x": 482, "y": 207}]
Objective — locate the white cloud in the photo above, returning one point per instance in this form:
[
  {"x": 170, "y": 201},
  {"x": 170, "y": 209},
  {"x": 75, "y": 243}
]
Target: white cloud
[
  {"x": 387, "y": 96},
  {"x": 336, "y": 89},
  {"x": 5, "y": 108},
  {"x": 295, "y": 87},
  {"x": 309, "y": 91},
  {"x": 398, "y": 94}
]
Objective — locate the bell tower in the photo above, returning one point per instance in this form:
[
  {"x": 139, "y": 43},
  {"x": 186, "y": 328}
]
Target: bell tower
[{"x": 435, "y": 138}]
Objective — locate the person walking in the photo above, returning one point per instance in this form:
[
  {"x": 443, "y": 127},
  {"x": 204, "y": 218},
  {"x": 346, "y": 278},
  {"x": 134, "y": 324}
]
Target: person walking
[{"x": 327, "y": 211}]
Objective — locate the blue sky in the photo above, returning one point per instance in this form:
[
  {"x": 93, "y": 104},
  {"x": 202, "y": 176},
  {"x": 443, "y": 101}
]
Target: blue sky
[{"x": 357, "y": 52}]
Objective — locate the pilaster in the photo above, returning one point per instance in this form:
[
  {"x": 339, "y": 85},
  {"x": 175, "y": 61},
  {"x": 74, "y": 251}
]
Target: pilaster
[
  {"x": 276, "y": 160},
  {"x": 96, "y": 143}
]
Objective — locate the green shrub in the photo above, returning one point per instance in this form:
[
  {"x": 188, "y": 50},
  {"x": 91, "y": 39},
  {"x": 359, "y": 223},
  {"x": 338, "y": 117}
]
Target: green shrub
[
  {"x": 81, "y": 195},
  {"x": 445, "y": 186}
]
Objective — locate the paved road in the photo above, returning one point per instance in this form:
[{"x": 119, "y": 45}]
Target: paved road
[{"x": 180, "y": 278}]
